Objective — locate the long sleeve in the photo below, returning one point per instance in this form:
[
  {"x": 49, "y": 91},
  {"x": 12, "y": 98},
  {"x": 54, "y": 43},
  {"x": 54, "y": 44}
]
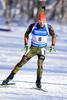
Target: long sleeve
[
  {"x": 26, "y": 36},
  {"x": 52, "y": 33}
]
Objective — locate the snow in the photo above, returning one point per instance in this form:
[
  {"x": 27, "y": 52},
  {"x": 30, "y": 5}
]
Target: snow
[{"x": 55, "y": 66}]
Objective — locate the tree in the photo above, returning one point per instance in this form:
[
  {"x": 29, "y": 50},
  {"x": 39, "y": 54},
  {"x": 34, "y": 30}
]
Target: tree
[
  {"x": 54, "y": 9},
  {"x": 32, "y": 9},
  {"x": 40, "y": 10},
  {"x": 63, "y": 12},
  {"x": 17, "y": 1}
]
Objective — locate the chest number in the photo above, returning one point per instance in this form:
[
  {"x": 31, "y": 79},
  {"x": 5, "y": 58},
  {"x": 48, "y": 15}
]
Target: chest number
[{"x": 39, "y": 39}]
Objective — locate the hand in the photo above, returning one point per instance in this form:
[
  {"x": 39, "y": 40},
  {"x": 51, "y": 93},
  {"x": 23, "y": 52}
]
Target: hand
[
  {"x": 26, "y": 47},
  {"x": 51, "y": 49}
]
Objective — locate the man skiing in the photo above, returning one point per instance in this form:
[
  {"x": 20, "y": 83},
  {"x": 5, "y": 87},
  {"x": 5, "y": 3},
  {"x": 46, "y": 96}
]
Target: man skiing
[{"x": 39, "y": 31}]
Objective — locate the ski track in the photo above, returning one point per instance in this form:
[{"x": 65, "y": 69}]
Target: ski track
[{"x": 55, "y": 67}]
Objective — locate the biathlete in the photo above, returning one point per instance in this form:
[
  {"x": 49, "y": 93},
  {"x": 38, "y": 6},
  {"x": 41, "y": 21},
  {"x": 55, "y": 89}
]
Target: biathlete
[{"x": 39, "y": 31}]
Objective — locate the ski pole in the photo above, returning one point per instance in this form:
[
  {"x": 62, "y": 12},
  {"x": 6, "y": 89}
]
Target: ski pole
[
  {"x": 55, "y": 50},
  {"x": 21, "y": 49}
]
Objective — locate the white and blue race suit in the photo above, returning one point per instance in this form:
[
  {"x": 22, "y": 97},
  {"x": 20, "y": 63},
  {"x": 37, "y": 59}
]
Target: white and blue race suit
[{"x": 39, "y": 36}]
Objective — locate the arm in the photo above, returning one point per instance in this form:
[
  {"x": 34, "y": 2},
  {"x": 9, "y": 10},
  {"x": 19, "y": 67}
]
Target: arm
[
  {"x": 26, "y": 36},
  {"x": 26, "y": 39},
  {"x": 52, "y": 33},
  {"x": 53, "y": 39}
]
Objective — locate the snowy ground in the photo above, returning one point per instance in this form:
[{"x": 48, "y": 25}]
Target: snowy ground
[{"x": 55, "y": 66}]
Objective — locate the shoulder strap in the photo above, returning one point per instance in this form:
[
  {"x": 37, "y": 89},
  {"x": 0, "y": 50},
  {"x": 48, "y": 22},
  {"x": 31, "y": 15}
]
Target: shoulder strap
[
  {"x": 47, "y": 28},
  {"x": 34, "y": 26}
]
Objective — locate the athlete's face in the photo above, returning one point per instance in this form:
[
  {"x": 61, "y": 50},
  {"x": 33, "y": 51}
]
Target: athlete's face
[{"x": 41, "y": 23}]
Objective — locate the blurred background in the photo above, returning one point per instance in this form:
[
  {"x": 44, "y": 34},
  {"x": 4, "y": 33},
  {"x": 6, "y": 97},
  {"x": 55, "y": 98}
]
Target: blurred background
[
  {"x": 24, "y": 11},
  {"x": 18, "y": 10}
]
